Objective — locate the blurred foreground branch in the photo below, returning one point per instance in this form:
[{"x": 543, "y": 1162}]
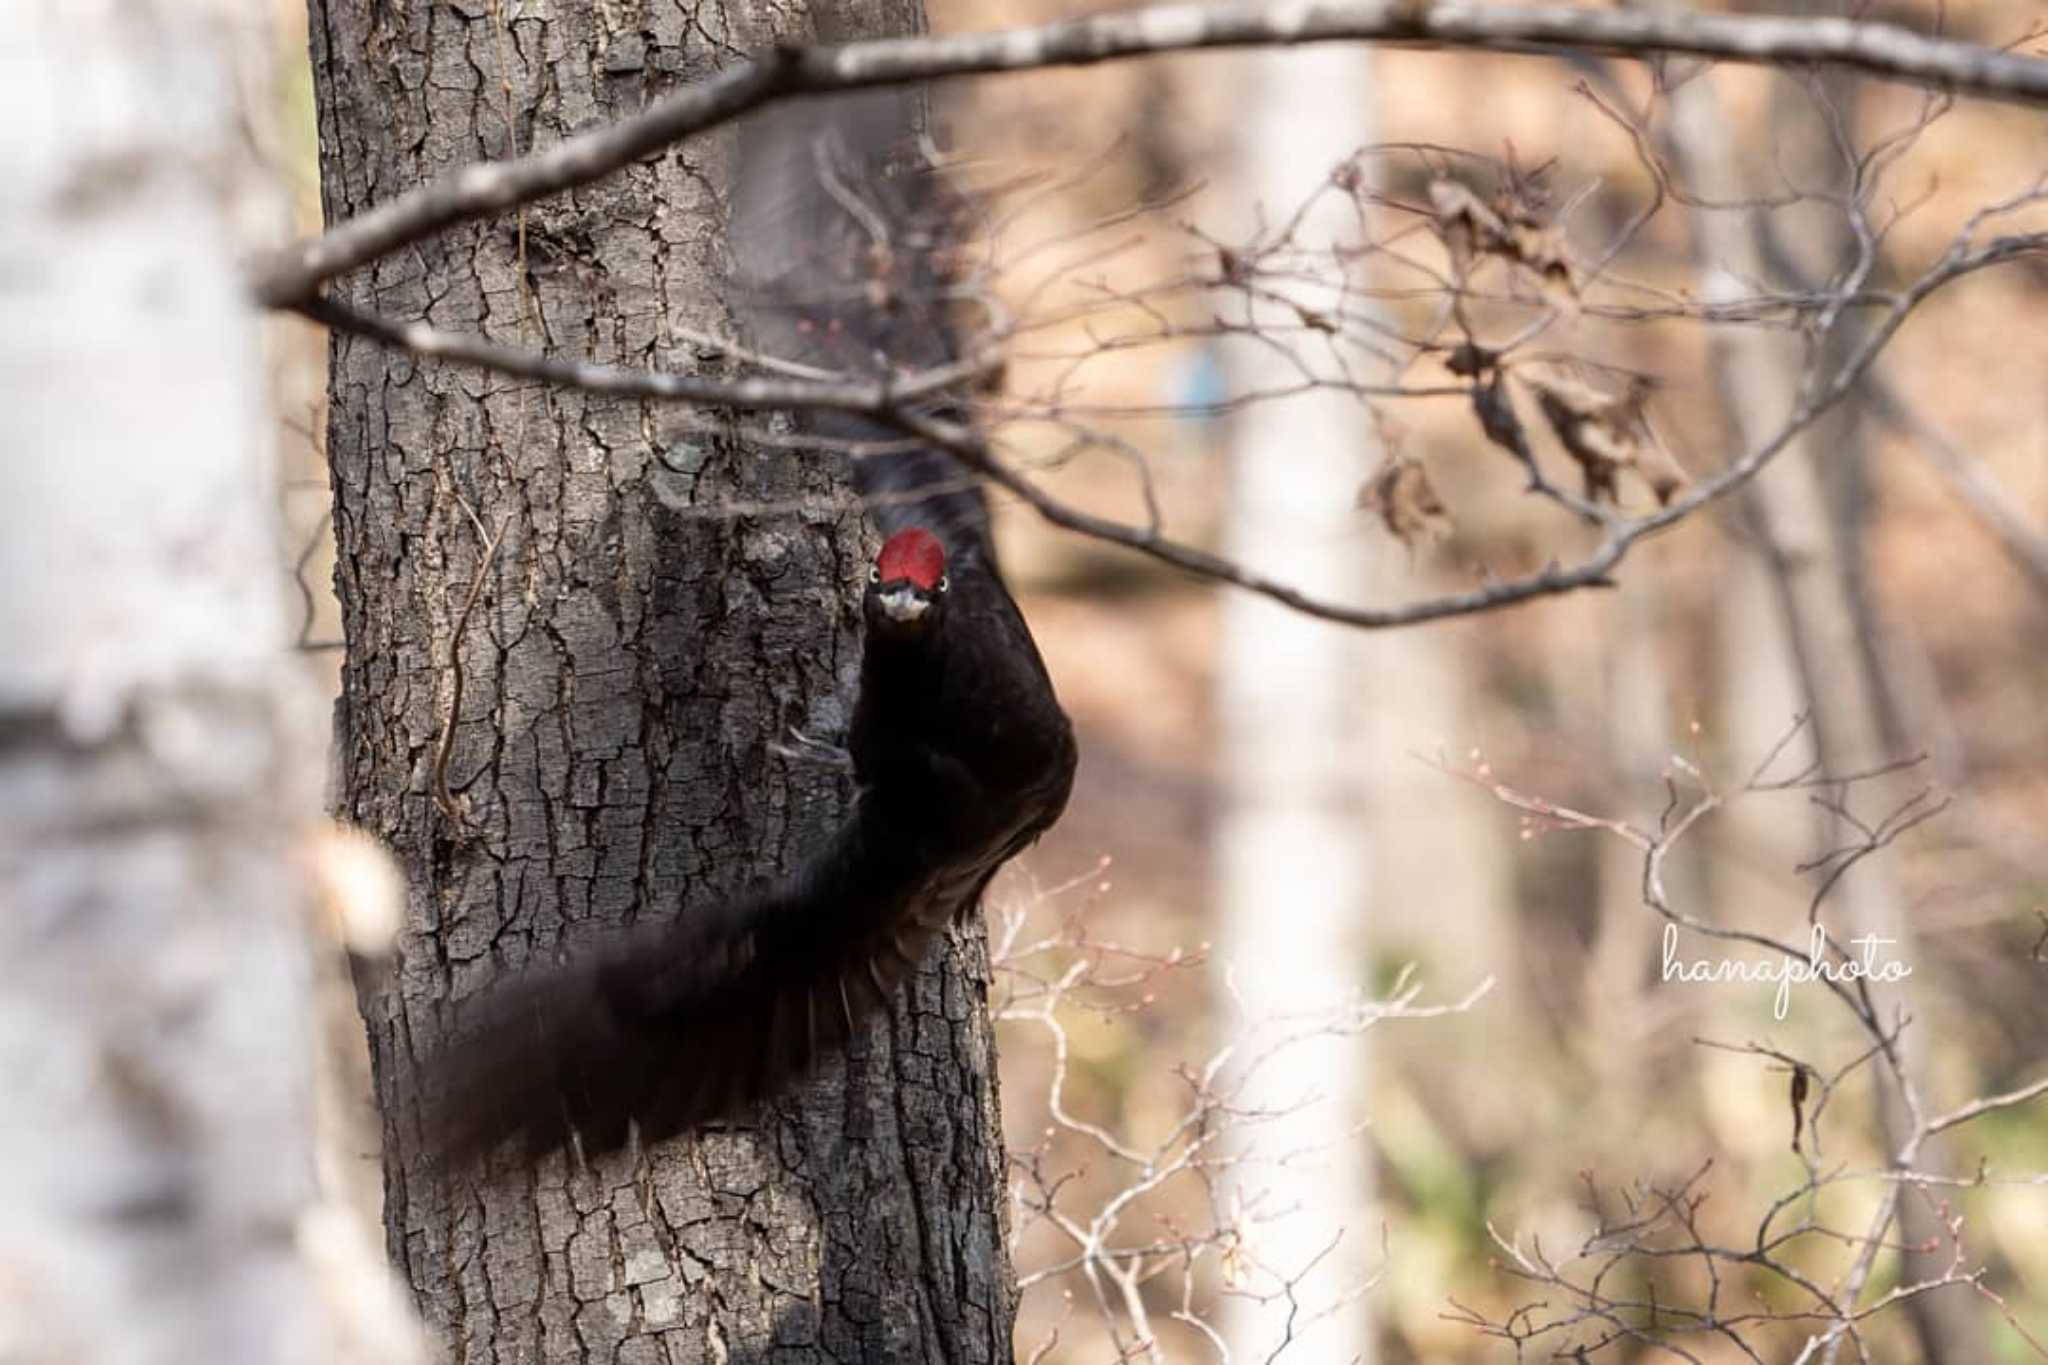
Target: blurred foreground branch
[{"x": 293, "y": 275}]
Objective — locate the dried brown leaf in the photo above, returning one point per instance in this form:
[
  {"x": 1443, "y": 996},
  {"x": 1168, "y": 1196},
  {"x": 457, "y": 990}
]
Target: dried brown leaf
[
  {"x": 1401, "y": 495},
  {"x": 1657, "y": 465},
  {"x": 1607, "y": 433},
  {"x": 1315, "y": 321},
  {"x": 1470, "y": 360},
  {"x": 1509, "y": 228},
  {"x": 1464, "y": 222},
  {"x": 1800, "y": 1086},
  {"x": 1542, "y": 250},
  {"x": 1496, "y": 412},
  {"x": 1585, "y": 422}
]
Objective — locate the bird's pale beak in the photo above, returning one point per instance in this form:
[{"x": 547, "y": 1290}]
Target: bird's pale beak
[{"x": 904, "y": 604}]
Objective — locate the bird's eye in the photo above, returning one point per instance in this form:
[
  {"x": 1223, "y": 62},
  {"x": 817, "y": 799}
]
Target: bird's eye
[
  {"x": 944, "y": 582},
  {"x": 874, "y": 573}
]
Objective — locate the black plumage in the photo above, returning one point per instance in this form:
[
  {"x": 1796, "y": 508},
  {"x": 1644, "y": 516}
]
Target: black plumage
[{"x": 961, "y": 753}]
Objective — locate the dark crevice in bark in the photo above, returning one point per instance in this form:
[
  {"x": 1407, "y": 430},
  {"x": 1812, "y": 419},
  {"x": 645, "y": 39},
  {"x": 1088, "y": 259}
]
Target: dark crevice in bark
[{"x": 627, "y": 668}]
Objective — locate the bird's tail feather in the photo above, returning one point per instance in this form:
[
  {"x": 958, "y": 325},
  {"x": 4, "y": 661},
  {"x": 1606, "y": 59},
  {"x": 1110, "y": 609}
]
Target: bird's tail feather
[{"x": 689, "y": 1022}]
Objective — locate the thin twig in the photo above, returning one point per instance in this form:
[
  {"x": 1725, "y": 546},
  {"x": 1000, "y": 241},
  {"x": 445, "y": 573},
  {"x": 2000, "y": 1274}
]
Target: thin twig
[
  {"x": 876, "y": 396},
  {"x": 444, "y": 799}
]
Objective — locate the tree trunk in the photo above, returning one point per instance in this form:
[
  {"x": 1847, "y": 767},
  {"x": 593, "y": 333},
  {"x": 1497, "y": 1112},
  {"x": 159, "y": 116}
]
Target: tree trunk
[
  {"x": 634, "y": 657},
  {"x": 158, "y": 750},
  {"x": 1293, "y": 880},
  {"x": 1806, "y": 635}
]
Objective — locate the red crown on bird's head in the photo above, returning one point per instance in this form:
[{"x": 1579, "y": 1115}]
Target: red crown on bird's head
[{"x": 915, "y": 554}]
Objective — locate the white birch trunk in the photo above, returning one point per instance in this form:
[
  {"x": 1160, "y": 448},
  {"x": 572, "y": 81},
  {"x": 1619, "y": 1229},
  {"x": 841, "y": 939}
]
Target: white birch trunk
[
  {"x": 156, "y": 1194},
  {"x": 1293, "y": 864}
]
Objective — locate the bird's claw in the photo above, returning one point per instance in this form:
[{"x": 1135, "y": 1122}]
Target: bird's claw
[{"x": 803, "y": 748}]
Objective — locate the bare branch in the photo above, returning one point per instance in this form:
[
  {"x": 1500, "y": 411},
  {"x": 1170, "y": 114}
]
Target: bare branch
[
  {"x": 1596, "y": 569},
  {"x": 1988, "y": 1104},
  {"x": 294, "y": 274},
  {"x": 873, "y": 397},
  {"x": 1594, "y": 1301},
  {"x": 887, "y": 401},
  {"x": 1041, "y": 980}
]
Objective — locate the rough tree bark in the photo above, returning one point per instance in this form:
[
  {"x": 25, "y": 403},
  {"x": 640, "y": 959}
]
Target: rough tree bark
[{"x": 632, "y": 659}]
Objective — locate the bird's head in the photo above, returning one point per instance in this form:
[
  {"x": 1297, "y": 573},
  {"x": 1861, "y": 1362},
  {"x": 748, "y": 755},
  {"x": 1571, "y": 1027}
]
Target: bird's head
[{"x": 907, "y": 586}]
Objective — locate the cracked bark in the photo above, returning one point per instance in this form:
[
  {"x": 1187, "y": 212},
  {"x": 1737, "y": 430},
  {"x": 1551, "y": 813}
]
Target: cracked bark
[{"x": 628, "y": 666}]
